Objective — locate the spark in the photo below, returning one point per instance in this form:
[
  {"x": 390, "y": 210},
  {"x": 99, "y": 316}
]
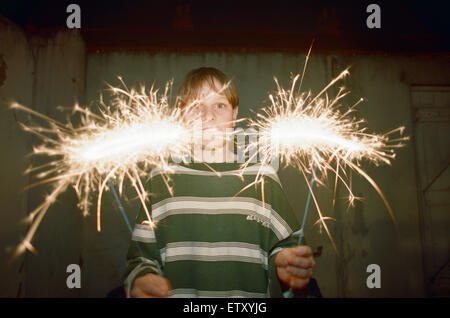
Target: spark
[
  {"x": 306, "y": 131},
  {"x": 122, "y": 141}
]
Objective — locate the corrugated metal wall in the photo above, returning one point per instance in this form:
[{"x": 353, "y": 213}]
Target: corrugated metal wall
[
  {"x": 431, "y": 106},
  {"x": 364, "y": 234},
  {"x": 41, "y": 73},
  {"x": 16, "y": 83},
  {"x": 59, "y": 75}
]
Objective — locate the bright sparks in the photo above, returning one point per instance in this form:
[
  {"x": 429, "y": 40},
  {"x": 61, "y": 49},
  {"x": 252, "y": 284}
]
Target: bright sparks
[
  {"x": 125, "y": 140},
  {"x": 313, "y": 129},
  {"x": 308, "y": 132}
]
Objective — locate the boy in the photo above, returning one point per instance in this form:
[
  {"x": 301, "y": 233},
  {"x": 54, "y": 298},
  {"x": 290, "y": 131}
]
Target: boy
[{"x": 207, "y": 242}]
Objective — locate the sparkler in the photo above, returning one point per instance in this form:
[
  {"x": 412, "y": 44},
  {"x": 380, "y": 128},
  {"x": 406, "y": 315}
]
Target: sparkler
[
  {"x": 139, "y": 131},
  {"x": 310, "y": 132}
]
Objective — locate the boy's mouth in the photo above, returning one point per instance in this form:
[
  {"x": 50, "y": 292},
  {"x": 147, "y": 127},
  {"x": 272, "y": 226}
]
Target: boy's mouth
[{"x": 209, "y": 130}]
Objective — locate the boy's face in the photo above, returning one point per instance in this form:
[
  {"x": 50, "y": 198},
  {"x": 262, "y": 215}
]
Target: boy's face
[{"x": 216, "y": 114}]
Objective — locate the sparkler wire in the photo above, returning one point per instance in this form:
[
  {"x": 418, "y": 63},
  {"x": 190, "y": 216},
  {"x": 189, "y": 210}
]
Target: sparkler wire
[
  {"x": 308, "y": 201},
  {"x": 122, "y": 211},
  {"x": 289, "y": 293}
]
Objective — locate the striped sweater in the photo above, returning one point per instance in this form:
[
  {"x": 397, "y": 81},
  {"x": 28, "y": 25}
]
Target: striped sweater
[{"x": 208, "y": 241}]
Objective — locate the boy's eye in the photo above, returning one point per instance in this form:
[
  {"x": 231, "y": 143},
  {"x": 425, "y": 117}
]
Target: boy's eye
[{"x": 220, "y": 106}]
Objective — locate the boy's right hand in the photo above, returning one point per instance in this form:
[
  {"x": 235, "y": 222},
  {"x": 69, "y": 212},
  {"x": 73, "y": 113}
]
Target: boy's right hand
[{"x": 150, "y": 286}]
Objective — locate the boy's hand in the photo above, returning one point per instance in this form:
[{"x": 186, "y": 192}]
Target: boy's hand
[
  {"x": 150, "y": 286},
  {"x": 294, "y": 266}
]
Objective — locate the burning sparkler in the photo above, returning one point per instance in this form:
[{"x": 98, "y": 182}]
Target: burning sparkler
[
  {"x": 138, "y": 132},
  {"x": 310, "y": 133}
]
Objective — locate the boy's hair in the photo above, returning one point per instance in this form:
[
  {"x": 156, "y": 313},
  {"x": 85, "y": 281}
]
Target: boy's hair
[{"x": 194, "y": 81}]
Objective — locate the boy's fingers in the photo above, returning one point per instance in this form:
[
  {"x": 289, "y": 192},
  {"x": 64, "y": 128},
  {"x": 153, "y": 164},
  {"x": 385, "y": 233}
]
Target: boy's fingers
[
  {"x": 282, "y": 258},
  {"x": 283, "y": 275},
  {"x": 300, "y": 261},
  {"x": 300, "y": 256},
  {"x": 303, "y": 250},
  {"x": 293, "y": 281},
  {"x": 137, "y": 292},
  {"x": 155, "y": 285},
  {"x": 299, "y": 272}
]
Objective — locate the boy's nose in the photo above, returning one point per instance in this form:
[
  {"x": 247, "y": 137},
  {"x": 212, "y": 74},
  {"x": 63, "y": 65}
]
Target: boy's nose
[{"x": 207, "y": 116}]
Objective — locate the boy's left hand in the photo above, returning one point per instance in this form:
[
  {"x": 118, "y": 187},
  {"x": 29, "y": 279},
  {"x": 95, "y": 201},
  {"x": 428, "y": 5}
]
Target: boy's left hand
[{"x": 294, "y": 266}]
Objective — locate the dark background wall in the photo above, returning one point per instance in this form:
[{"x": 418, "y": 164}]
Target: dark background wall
[{"x": 402, "y": 71}]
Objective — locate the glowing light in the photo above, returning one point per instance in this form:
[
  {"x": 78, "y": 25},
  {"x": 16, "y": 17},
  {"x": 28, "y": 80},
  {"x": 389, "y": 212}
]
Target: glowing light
[
  {"x": 306, "y": 131},
  {"x": 139, "y": 131}
]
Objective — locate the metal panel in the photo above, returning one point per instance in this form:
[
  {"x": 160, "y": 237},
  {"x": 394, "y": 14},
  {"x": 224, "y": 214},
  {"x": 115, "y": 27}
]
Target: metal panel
[
  {"x": 58, "y": 81},
  {"x": 432, "y": 131},
  {"x": 16, "y": 67}
]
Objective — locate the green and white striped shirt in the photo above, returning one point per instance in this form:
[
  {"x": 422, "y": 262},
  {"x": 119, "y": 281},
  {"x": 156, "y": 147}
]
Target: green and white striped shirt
[{"x": 208, "y": 241}]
